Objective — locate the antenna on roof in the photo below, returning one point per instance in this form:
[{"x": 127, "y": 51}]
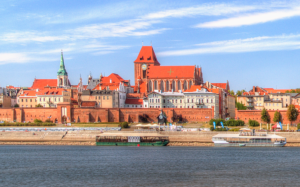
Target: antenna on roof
[{"x": 142, "y": 43}]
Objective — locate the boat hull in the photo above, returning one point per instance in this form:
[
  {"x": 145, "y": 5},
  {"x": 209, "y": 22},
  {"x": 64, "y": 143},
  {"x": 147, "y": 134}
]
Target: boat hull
[
  {"x": 159, "y": 143},
  {"x": 249, "y": 144}
]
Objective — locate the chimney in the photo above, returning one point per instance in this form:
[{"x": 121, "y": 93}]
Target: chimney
[{"x": 253, "y": 89}]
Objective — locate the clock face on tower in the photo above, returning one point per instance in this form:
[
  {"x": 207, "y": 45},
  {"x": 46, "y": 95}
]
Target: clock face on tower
[{"x": 144, "y": 66}]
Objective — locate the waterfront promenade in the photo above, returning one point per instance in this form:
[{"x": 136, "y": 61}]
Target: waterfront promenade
[{"x": 198, "y": 138}]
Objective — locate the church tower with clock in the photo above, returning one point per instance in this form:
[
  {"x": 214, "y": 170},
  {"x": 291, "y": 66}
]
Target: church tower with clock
[{"x": 145, "y": 59}]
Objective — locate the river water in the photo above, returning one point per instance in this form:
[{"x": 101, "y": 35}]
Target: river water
[{"x": 148, "y": 166}]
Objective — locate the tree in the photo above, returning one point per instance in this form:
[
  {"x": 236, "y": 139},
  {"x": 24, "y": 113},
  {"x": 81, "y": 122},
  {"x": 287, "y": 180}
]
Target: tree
[
  {"x": 240, "y": 106},
  {"x": 16, "y": 105},
  {"x": 265, "y": 116},
  {"x": 287, "y": 91},
  {"x": 38, "y": 105},
  {"x": 293, "y": 91},
  {"x": 231, "y": 92},
  {"x": 238, "y": 93},
  {"x": 292, "y": 113},
  {"x": 277, "y": 117}
]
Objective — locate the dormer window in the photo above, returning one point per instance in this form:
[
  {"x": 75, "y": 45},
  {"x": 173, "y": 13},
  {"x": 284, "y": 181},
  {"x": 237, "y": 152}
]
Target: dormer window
[
  {"x": 149, "y": 58},
  {"x": 142, "y": 58}
]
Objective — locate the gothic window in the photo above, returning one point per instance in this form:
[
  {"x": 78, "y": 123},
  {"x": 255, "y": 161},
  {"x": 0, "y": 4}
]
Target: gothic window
[
  {"x": 179, "y": 85},
  {"x": 155, "y": 85},
  {"x": 162, "y": 86},
  {"x": 173, "y": 85},
  {"x": 190, "y": 84},
  {"x": 60, "y": 81},
  {"x": 150, "y": 86},
  {"x": 144, "y": 74},
  {"x": 167, "y": 86},
  {"x": 185, "y": 85}
]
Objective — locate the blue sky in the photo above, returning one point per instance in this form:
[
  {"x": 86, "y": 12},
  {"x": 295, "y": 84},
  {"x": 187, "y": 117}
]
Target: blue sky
[{"x": 248, "y": 43}]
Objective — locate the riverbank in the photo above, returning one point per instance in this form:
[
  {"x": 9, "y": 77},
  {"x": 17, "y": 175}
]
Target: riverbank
[{"x": 87, "y": 138}]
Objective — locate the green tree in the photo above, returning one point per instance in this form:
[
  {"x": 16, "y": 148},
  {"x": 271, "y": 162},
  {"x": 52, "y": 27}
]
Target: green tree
[
  {"x": 231, "y": 92},
  {"x": 265, "y": 116},
  {"x": 238, "y": 93},
  {"x": 240, "y": 106},
  {"x": 38, "y": 105},
  {"x": 277, "y": 117},
  {"x": 287, "y": 91},
  {"x": 292, "y": 113},
  {"x": 16, "y": 106},
  {"x": 293, "y": 91}
]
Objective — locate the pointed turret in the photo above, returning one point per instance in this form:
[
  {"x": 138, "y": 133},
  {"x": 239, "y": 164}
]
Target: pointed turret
[
  {"x": 62, "y": 74},
  {"x": 62, "y": 70}
]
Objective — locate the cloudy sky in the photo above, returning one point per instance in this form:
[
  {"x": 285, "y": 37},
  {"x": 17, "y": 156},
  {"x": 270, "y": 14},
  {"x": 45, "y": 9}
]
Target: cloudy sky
[{"x": 248, "y": 43}]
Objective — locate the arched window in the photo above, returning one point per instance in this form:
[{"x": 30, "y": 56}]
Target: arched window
[
  {"x": 155, "y": 85},
  {"x": 162, "y": 86},
  {"x": 179, "y": 85},
  {"x": 173, "y": 85},
  {"x": 150, "y": 86},
  {"x": 190, "y": 84},
  {"x": 167, "y": 86},
  {"x": 185, "y": 85}
]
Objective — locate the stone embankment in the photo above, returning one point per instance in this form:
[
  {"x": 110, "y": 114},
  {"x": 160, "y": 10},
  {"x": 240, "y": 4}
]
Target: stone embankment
[{"x": 199, "y": 138}]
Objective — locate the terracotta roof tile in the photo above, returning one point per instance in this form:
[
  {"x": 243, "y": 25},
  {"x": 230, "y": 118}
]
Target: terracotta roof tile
[
  {"x": 147, "y": 55},
  {"x": 171, "y": 72},
  {"x": 42, "y": 83},
  {"x": 220, "y": 85}
]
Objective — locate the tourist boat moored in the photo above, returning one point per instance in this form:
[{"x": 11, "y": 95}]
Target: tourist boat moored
[
  {"x": 137, "y": 139},
  {"x": 247, "y": 138}
]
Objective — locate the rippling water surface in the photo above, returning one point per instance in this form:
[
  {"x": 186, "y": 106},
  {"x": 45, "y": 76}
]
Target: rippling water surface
[{"x": 148, "y": 166}]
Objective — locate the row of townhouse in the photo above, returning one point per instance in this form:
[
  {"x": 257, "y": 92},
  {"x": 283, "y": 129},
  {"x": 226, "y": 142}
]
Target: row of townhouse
[
  {"x": 47, "y": 97},
  {"x": 268, "y": 98}
]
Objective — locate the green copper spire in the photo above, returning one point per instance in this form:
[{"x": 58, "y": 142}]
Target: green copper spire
[{"x": 62, "y": 70}]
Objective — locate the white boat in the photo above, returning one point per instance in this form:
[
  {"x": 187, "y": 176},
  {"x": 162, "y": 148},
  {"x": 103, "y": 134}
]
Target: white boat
[{"x": 247, "y": 138}]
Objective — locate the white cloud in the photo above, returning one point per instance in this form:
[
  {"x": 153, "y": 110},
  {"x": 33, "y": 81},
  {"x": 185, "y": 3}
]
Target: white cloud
[
  {"x": 8, "y": 58},
  {"x": 204, "y": 10},
  {"x": 251, "y": 19},
  {"x": 135, "y": 27},
  {"x": 264, "y": 43},
  {"x": 32, "y": 36}
]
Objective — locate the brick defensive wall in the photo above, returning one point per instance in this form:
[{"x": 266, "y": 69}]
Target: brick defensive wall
[
  {"x": 65, "y": 112},
  {"x": 245, "y": 115}
]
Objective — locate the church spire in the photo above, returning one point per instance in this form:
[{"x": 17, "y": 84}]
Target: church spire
[{"x": 62, "y": 70}]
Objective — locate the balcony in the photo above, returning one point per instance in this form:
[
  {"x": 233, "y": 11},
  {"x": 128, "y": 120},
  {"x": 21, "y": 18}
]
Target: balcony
[
  {"x": 249, "y": 100},
  {"x": 199, "y": 103}
]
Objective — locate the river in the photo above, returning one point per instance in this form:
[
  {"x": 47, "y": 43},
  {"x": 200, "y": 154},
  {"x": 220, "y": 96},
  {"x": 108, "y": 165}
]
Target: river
[{"x": 148, "y": 166}]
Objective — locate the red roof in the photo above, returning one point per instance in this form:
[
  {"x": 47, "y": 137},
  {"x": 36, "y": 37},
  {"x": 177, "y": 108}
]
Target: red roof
[
  {"x": 135, "y": 95},
  {"x": 220, "y": 85},
  {"x": 272, "y": 90},
  {"x": 29, "y": 93},
  {"x": 134, "y": 101},
  {"x": 88, "y": 103},
  {"x": 147, "y": 55},
  {"x": 42, "y": 83},
  {"x": 51, "y": 91},
  {"x": 171, "y": 72},
  {"x": 115, "y": 78},
  {"x": 194, "y": 88}
]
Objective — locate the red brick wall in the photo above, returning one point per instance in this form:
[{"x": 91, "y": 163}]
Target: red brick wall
[
  {"x": 245, "y": 115},
  {"x": 7, "y": 114},
  {"x": 104, "y": 114}
]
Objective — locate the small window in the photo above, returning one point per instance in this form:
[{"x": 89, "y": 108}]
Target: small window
[
  {"x": 107, "y": 97},
  {"x": 164, "y": 101}
]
